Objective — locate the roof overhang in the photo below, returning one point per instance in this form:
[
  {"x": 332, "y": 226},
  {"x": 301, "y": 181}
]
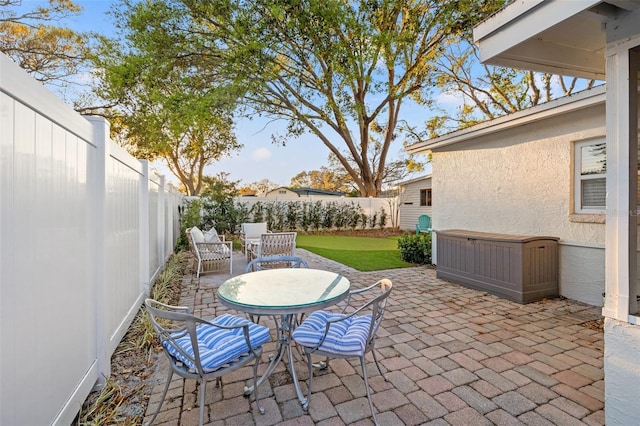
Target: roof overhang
[
  {"x": 556, "y": 36},
  {"x": 564, "y": 105},
  {"x": 418, "y": 179}
]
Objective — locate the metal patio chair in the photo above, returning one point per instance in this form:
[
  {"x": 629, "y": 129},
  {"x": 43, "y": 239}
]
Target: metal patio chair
[
  {"x": 203, "y": 350},
  {"x": 345, "y": 335},
  {"x": 275, "y": 262}
]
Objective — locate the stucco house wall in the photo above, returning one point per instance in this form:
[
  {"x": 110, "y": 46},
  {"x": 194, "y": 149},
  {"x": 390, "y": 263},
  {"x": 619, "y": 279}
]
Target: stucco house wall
[
  {"x": 409, "y": 203},
  {"x": 518, "y": 180},
  {"x": 575, "y": 38}
]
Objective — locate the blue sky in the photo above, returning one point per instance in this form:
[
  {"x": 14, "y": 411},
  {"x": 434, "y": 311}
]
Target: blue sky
[{"x": 259, "y": 159}]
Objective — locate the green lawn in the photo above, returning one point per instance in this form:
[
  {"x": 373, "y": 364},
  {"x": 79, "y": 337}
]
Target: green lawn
[{"x": 361, "y": 253}]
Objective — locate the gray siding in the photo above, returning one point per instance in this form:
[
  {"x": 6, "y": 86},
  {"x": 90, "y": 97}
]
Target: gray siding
[{"x": 410, "y": 207}]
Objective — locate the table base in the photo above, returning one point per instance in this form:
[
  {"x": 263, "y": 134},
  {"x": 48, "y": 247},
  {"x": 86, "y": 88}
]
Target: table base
[{"x": 285, "y": 328}]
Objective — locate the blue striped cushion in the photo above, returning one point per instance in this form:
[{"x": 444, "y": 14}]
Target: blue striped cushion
[
  {"x": 218, "y": 346},
  {"x": 348, "y": 337}
]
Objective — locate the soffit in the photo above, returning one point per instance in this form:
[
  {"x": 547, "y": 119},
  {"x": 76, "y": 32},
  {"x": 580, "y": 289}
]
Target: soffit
[{"x": 556, "y": 36}]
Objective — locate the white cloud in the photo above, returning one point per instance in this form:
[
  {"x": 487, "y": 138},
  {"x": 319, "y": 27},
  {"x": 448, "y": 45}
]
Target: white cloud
[
  {"x": 450, "y": 99},
  {"x": 261, "y": 154}
]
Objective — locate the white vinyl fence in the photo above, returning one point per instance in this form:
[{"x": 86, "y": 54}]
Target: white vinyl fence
[{"x": 84, "y": 230}]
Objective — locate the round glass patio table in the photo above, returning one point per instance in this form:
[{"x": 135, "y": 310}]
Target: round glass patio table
[{"x": 284, "y": 292}]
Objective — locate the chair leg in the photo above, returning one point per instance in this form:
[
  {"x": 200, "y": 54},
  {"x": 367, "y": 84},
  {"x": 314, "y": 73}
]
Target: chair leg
[
  {"x": 255, "y": 384},
  {"x": 305, "y": 406},
  {"x": 366, "y": 386},
  {"x": 203, "y": 390},
  {"x": 375, "y": 358},
  {"x": 164, "y": 394}
]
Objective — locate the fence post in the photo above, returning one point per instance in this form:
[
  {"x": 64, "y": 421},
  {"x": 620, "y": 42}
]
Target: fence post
[
  {"x": 101, "y": 129},
  {"x": 144, "y": 228},
  {"x": 162, "y": 226}
]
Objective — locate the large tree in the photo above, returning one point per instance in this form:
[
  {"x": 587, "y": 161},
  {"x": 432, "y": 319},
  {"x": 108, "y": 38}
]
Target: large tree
[
  {"x": 334, "y": 68},
  {"x": 32, "y": 36},
  {"x": 162, "y": 108}
]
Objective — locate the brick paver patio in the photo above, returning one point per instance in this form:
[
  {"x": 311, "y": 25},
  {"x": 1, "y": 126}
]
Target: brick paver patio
[{"x": 453, "y": 356}]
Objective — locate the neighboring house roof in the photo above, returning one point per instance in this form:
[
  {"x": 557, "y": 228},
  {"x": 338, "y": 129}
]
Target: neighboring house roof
[
  {"x": 276, "y": 190},
  {"x": 314, "y": 191},
  {"x": 410, "y": 181},
  {"x": 575, "y": 102}
]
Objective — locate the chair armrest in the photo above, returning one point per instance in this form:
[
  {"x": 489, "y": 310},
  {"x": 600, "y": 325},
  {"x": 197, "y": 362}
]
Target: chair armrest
[
  {"x": 214, "y": 247},
  {"x": 167, "y": 308},
  {"x": 359, "y": 291}
]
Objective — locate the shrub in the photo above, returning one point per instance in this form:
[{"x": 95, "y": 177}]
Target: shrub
[
  {"x": 373, "y": 220},
  {"x": 415, "y": 248},
  {"x": 382, "y": 220},
  {"x": 363, "y": 220},
  {"x": 257, "y": 212},
  {"x": 315, "y": 215},
  {"x": 190, "y": 217},
  {"x": 293, "y": 214}
]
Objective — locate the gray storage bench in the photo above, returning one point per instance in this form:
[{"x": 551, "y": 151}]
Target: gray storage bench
[{"x": 519, "y": 268}]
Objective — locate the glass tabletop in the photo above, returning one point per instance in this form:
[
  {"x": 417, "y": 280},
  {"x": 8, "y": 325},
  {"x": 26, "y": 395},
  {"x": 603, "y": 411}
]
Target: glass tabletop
[{"x": 281, "y": 291}]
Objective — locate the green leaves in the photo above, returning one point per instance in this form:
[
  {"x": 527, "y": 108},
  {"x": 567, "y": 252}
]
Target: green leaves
[
  {"x": 171, "y": 103},
  {"x": 415, "y": 248},
  {"x": 51, "y": 53}
]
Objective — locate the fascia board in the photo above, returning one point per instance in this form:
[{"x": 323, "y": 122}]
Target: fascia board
[{"x": 563, "y": 105}]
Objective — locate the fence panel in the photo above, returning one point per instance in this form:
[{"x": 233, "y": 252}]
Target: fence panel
[
  {"x": 123, "y": 230},
  {"x": 48, "y": 314},
  {"x": 74, "y": 250}
]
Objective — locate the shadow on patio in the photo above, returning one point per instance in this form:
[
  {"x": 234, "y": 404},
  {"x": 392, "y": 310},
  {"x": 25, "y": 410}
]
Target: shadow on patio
[{"x": 452, "y": 355}]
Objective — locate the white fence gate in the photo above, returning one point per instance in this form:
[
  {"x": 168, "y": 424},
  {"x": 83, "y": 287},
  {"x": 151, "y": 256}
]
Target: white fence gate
[{"x": 84, "y": 231}]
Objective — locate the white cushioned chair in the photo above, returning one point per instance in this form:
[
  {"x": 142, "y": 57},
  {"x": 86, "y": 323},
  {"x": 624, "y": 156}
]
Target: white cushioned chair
[
  {"x": 203, "y": 350},
  {"x": 345, "y": 335},
  {"x": 212, "y": 254},
  {"x": 250, "y": 233},
  {"x": 274, "y": 244}
]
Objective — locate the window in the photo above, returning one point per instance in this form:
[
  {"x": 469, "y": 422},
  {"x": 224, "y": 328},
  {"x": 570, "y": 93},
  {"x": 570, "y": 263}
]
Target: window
[
  {"x": 590, "y": 170},
  {"x": 425, "y": 197},
  {"x": 282, "y": 192}
]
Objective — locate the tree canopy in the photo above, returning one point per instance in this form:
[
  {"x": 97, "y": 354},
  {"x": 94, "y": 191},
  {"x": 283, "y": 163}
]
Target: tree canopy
[
  {"x": 341, "y": 71},
  {"x": 162, "y": 107},
  {"x": 324, "y": 178},
  {"x": 50, "y": 53}
]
